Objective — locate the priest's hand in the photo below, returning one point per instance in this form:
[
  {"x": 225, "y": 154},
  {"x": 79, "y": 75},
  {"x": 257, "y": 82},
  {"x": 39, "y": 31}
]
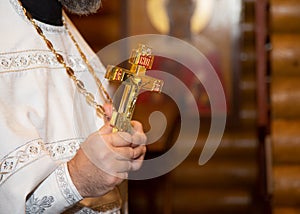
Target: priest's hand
[{"x": 105, "y": 158}]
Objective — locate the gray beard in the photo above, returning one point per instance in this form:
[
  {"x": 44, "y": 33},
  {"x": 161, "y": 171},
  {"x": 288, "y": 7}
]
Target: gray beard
[{"x": 81, "y": 7}]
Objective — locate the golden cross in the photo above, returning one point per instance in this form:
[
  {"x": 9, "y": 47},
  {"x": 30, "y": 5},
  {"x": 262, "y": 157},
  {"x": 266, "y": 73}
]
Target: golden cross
[{"x": 133, "y": 80}]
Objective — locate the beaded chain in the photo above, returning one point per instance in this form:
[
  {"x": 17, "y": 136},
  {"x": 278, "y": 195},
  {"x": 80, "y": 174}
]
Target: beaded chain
[{"x": 90, "y": 99}]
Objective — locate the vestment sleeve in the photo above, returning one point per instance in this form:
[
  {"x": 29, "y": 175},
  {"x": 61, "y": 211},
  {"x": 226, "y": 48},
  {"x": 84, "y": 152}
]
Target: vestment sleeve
[{"x": 55, "y": 194}]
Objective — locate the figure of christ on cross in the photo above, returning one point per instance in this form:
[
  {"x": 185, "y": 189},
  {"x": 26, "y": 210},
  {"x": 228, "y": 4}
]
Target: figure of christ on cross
[{"x": 133, "y": 81}]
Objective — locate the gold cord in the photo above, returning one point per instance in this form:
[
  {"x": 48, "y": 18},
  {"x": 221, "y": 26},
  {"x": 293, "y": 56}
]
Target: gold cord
[{"x": 90, "y": 99}]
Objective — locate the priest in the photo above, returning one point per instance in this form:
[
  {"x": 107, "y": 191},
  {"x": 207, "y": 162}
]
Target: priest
[{"x": 52, "y": 156}]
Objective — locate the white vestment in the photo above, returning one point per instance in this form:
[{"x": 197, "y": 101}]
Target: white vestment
[{"x": 43, "y": 119}]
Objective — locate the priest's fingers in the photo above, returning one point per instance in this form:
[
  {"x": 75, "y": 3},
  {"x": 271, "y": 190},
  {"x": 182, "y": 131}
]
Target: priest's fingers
[
  {"x": 108, "y": 109},
  {"x": 139, "y": 151},
  {"x": 118, "y": 139},
  {"x": 112, "y": 164},
  {"x": 125, "y": 136},
  {"x": 137, "y": 163},
  {"x": 130, "y": 153},
  {"x": 137, "y": 126},
  {"x": 124, "y": 153},
  {"x": 116, "y": 166},
  {"x": 106, "y": 129},
  {"x": 138, "y": 136},
  {"x": 105, "y": 156},
  {"x": 132, "y": 158}
]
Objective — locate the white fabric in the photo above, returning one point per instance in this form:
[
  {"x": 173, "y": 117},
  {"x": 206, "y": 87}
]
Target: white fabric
[
  {"x": 63, "y": 193},
  {"x": 43, "y": 119}
]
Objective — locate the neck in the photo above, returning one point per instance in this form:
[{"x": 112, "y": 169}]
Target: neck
[{"x": 47, "y": 11}]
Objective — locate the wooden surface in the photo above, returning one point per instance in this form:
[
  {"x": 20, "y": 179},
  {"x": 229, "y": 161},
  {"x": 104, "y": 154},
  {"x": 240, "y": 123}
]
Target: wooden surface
[
  {"x": 285, "y": 105},
  {"x": 285, "y": 55},
  {"x": 284, "y": 16}
]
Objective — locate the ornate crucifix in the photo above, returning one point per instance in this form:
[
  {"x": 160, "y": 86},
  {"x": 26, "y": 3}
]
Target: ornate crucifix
[{"x": 133, "y": 80}]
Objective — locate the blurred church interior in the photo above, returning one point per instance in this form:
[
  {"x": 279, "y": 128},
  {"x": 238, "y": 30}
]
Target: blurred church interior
[{"x": 254, "y": 47}]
